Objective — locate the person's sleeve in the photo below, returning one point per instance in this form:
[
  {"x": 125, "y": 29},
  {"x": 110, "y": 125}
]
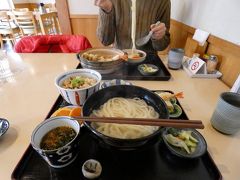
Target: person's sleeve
[
  {"x": 106, "y": 27},
  {"x": 163, "y": 43}
]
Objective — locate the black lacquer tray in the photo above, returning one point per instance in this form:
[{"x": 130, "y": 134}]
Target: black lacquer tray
[
  {"x": 151, "y": 162},
  {"x": 130, "y": 72}
]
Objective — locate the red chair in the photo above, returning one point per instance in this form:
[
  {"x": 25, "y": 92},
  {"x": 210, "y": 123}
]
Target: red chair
[{"x": 52, "y": 44}]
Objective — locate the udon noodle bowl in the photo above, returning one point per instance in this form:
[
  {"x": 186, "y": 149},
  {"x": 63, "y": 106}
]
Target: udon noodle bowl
[{"x": 127, "y": 108}]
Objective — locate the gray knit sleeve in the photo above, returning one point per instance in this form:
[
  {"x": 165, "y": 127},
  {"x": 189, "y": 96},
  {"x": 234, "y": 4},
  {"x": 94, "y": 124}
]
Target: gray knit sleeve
[
  {"x": 106, "y": 27},
  {"x": 162, "y": 44}
]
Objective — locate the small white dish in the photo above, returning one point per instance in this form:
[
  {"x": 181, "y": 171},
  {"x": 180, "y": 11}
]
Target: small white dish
[
  {"x": 135, "y": 60},
  {"x": 91, "y": 169}
]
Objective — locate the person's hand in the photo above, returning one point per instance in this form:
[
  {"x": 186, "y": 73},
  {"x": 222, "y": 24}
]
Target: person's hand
[
  {"x": 106, "y": 5},
  {"x": 158, "y": 31}
]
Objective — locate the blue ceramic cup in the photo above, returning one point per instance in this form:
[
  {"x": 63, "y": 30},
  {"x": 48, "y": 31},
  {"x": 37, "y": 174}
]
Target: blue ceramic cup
[
  {"x": 175, "y": 57},
  {"x": 226, "y": 116}
]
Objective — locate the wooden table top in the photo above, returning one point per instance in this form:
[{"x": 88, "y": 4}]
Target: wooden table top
[{"x": 28, "y": 96}]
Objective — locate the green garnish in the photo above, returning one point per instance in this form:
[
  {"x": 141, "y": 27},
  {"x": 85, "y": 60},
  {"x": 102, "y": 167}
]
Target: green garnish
[
  {"x": 77, "y": 82},
  {"x": 173, "y": 131}
]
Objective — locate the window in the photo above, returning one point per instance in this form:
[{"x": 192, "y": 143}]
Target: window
[{"x": 6, "y": 5}]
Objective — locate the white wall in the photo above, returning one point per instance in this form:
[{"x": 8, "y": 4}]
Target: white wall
[
  {"x": 6, "y": 4},
  {"x": 20, "y": 1},
  {"x": 219, "y": 17},
  {"x": 33, "y": 1},
  {"x": 42, "y": 1},
  {"x": 82, "y": 7}
]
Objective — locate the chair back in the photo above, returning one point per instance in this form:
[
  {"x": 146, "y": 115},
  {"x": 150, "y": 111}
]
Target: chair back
[
  {"x": 26, "y": 22},
  {"x": 52, "y": 44},
  {"x": 21, "y": 9},
  {"x": 8, "y": 28},
  {"x": 5, "y": 23},
  {"x": 49, "y": 23}
]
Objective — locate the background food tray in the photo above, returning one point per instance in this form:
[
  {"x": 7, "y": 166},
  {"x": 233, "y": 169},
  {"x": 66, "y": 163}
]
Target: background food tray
[
  {"x": 150, "y": 162},
  {"x": 130, "y": 71}
]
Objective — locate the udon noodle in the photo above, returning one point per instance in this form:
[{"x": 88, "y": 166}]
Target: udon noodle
[
  {"x": 129, "y": 108},
  {"x": 133, "y": 34}
]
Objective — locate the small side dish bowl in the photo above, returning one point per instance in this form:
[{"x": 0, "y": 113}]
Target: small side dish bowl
[
  {"x": 196, "y": 141},
  {"x": 135, "y": 58},
  {"x": 63, "y": 155},
  {"x": 174, "y": 109},
  {"x": 147, "y": 69},
  {"x": 78, "y": 96},
  {"x": 177, "y": 111},
  {"x": 4, "y": 125}
]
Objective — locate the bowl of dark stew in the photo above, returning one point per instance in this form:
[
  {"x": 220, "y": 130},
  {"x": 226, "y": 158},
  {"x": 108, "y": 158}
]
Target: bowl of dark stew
[{"x": 56, "y": 140}]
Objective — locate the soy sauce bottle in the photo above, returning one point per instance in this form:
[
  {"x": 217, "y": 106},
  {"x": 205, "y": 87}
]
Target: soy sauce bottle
[{"x": 212, "y": 64}]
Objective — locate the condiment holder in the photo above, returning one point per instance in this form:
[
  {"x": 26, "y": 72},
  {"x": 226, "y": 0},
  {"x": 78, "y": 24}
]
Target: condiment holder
[{"x": 197, "y": 68}]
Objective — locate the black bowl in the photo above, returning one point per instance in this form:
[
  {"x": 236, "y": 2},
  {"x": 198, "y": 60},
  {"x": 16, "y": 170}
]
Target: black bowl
[{"x": 126, "y": 91}]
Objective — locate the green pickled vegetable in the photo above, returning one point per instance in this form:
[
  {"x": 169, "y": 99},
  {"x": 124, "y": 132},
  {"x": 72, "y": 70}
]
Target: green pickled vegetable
[
  {"x": 182, "y": 138},
  {"x": 77, "y": 81},
  {"x": 176, "y": 142}
]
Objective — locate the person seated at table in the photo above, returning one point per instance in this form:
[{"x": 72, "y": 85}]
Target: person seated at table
[{"x": 114, "y": 26}]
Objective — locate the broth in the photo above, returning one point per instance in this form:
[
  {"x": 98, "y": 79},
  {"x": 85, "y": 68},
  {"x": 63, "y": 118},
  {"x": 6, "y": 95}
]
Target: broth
[{"x": 57, "y": 138}]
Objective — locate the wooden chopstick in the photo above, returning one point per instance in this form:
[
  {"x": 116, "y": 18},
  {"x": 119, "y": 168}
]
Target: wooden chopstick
[{"x": 197, "y": 124}]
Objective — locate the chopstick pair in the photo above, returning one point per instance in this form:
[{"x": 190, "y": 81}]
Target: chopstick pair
[{"x": 179, "y": 123}]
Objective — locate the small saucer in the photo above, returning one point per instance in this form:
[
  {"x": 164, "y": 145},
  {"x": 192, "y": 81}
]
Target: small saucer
[
  {"x": 143, "y": 69},
  {"x": 4, "y": 125}
]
